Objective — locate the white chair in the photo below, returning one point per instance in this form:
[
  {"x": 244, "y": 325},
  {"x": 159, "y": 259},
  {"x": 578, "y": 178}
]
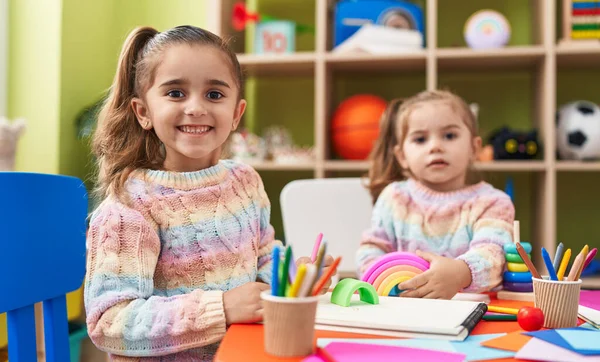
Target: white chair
[{"x": 340, "y": 208}]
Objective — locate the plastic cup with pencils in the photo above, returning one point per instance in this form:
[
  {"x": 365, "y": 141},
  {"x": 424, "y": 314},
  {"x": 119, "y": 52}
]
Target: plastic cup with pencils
[
  {"x": 557, "y": 294},
  {"x": 290, "y": 306}
]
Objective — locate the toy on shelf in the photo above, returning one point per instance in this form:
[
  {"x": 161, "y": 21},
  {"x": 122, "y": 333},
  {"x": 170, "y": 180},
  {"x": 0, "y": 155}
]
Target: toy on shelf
[
  {"x": 294, "y": 155},
  {"x": 379, "y": 39},
  {"x": 487, "y": 29},
  {"x": 355, "y": 125},
  {"x": 378, "y": 26},
  {"x": 392, "y": 269},
  {"x": 245, "y": 146},
  {"x": 281, "y": 148},
  {"x": 273, "y": 35},
  {"x": 277, "y": 138},
  {"x": 276, "y": 145},
  {"x": 510, "y": 144},
  {"x": 578, "y": 131},
  {"x": 486, "y": 154},
  {"x": 9, "y": 137},
  {"x": 350, "y": 15},
  {"x": 581, "y": 21}
]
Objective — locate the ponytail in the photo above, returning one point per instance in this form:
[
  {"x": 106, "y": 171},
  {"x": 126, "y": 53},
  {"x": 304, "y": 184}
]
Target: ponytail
[
  {"x": 385, "y": 169},
  {"x": 120, "y": 143}
]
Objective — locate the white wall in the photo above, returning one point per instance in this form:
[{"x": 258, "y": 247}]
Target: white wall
[{"x": 3, "y": 57}]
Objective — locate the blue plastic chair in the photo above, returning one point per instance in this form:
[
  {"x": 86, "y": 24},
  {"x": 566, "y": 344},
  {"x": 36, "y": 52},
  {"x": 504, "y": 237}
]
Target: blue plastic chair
[{"x": 42, "y": 258}]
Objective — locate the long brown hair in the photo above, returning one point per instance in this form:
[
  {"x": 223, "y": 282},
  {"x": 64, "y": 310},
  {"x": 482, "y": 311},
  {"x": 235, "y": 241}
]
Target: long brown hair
[
  {"x": 120, "y": 143},
  {"x": 393, "y": 126}
]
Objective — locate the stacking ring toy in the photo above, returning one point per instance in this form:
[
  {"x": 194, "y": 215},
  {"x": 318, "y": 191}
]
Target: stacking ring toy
[
  {"x": 342, "y": 293},
  {"x": 393, "y": 269},
  {"x": 515, "y": 277},
  {"x": 512, "y": 247}
]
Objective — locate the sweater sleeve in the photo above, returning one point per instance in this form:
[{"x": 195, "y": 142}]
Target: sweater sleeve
[
  {"x": 491, "y": 230},
  {"x": 380, "y": 238},
  {"x": 123, "y": 315},
  {"x": 267, "y": 235}
]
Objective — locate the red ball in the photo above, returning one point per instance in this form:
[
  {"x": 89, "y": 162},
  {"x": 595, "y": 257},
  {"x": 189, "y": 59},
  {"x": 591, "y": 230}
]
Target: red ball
[
  {"x": 355, "y": 125},
  {"x": 530, "y": 318}
]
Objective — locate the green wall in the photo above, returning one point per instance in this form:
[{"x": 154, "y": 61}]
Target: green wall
[
  {"x": 63, "y": 56},
  {"x": 89, "y": 56},
  {"x": 34, "y": 81},
  {"x": 159, "y": 14}
]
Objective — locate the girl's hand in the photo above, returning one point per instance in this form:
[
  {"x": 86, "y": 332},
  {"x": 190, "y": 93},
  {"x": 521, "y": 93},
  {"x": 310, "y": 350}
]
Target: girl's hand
[
  {"x": 443, "y": 280},
  {"x": 243, "y": 304},
  {"x": 326, "y": 263}
]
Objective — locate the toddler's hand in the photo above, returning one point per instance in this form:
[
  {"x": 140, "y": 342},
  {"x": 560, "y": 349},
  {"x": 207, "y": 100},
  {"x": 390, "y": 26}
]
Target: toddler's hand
[
  {"x": 326, "y": 263},
  {"x": 243, "y": 304},
  {"x": 443, "y": 280}
]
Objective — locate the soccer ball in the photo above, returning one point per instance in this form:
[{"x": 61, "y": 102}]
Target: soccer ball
[{"x": 578, "y": 131}]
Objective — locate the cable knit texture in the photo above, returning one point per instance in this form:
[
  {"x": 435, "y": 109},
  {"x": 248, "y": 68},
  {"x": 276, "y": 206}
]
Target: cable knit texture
[
  {"x": 471, "y": 224},
  {"x": 157, "y": 268}
]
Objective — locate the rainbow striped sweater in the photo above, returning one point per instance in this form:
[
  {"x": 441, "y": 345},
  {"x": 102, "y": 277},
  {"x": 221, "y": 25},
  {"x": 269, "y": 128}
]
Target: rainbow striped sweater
[
  {"x": 157, "y": 268},
  {"x": 471, "y": 224}
]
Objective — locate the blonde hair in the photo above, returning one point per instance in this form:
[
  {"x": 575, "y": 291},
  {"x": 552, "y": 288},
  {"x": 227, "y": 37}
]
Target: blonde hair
[
  {"x": 120, "y": 144},
  {"x": 385, "y": 168}
]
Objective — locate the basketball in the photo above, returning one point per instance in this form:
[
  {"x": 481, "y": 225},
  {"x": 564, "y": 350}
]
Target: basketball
[{"x": 355, "y": 125}]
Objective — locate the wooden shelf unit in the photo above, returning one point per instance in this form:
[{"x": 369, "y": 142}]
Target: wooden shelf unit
[{"x": 542, "y": 58}]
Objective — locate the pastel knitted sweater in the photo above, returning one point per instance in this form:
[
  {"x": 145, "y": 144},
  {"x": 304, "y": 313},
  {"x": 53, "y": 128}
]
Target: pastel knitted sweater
[
  {"x": 471, "y": 224},
  {"x": 157, "y": 269}
]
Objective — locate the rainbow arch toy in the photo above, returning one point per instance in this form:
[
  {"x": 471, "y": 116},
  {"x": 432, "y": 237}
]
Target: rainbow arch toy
[{"x": 393, "y": 269}]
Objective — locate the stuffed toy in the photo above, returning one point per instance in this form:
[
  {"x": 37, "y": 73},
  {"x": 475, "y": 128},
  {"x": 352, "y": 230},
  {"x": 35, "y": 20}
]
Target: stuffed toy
[
  {"x": 9, "y": 135},
  {"x": 510, "y": 144}
]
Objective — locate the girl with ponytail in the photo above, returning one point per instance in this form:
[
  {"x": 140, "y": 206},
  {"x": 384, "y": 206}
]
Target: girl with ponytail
[
  {"x": 180, "y": 247},
  {"x": 424, "y": 202}
]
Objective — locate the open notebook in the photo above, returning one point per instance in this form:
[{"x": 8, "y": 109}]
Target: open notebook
[
  {"x": 589, "y": 307},
  {"x": 402, "y": 317}
]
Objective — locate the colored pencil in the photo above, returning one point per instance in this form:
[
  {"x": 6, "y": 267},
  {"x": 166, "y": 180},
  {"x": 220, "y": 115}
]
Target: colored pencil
[
  {"x": 558, "y": 256},
  {"x": 577, "y": 264},
  {"x": 584, "y": 254},
  {"x": 590, "y": 257},
  {"x": 326, "y": 276},
  {"x": 295, "y": 287},
  {"x": 499, "y": 317},
  {"x": 316, "y": 247},
  {"x": 275, "y": 271},
  {"x": 504, "y": 310},
  {"x": 284, "y": 276},
  {"x": 307, "y": 283},
  {"x": 563, "y": 265},
  {"x": 528, "y": 262},
  {"x": 549, "y": 266}
]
